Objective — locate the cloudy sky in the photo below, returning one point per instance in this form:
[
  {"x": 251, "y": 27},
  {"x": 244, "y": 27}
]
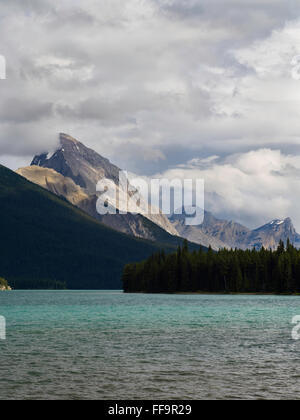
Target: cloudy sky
[{"x": 189, "y": 88}]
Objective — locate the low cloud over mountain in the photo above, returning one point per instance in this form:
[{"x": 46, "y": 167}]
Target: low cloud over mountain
[
  {"x": 251, "y": 187},
  {"x": 153, "y": 84}
]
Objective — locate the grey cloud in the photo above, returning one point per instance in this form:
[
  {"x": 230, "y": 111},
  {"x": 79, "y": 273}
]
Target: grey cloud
[
  {"x": 182, "y": 8},
  {"x": 28, "y": 7},
  {"x": 123, "y": 107},
  {"x": 251, "y": 187},
  {"x": 149, "y": 84},
  {"x": 70, "y": 17},
  {"x": 252, "y": 19},
  {"x": 16, "y": 110}
]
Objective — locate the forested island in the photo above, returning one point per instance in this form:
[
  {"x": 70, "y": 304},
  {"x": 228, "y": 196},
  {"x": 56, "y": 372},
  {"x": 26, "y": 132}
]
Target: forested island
[{"x": 226, "y": 271}]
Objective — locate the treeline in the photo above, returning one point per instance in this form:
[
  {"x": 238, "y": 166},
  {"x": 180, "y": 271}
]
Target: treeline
[
  {"x": 228, "y": 271},
  {"x": 37, "y": 284}
]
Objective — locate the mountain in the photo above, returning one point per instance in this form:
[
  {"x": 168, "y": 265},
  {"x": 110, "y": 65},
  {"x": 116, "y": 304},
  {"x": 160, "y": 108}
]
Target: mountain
[
  {"x": 271, "y": 233},
  {"x": 136, "y": 225},
  {"x": 214, "y": 232},
  {"x": 228, "y": 234},
  {"x": 73, "y": 160},
  {"x": 74, "y": 170},
  {"x": 45, "y": 241}
]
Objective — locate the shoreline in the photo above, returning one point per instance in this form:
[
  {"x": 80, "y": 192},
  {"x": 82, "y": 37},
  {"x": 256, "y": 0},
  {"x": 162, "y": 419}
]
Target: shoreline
[
  {"x": 160, "y": 293},
  {"x": 238, "y": 293},
  {"x": 218, "y": 293}
]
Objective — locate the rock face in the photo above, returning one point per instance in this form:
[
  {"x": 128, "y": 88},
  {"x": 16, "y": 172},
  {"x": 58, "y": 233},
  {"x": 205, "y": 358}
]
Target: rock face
[
  {"x": 214, "y": 232},
  {"x": 228, "y": 234},
  {"x": 73, "y": 172},
  {"x": 135, "y": 225},
  {"x": 56, "y": 183},
  {"x": 270, "y": 234},
  {"x": 76, "y": 161}
]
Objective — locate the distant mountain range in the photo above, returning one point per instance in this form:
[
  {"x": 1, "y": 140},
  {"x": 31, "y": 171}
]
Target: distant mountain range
[
  {"x": 228, "y": 234},
  {"x": 73, "y": 171}
]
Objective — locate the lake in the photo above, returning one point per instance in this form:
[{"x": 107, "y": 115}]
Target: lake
[{"x": 110, "y": 345}]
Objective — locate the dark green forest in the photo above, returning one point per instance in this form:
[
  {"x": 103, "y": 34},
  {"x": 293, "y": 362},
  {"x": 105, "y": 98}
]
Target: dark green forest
[
  {"x": 225, "y": 271},
  {"x": 46, "y": 243}
]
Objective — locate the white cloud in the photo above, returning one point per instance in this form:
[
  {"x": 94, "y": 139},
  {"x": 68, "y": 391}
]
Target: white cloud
[
  {"x": 252, "y": 187},
  {"x": 154, "y": 83}
]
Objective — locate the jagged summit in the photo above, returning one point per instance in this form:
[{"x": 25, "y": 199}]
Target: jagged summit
[
  {"x": 271, "y": 233},
  {"x": 222, "y": 233},
  {"x": 215, "y": 232},
  {"x": 278, "y": 222},
  {"x": 76, "y": 161},
  {"x": 67, "y": 137},
  {"x": 281, "y": 226}
]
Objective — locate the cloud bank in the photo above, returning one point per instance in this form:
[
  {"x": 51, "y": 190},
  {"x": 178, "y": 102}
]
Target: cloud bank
[
  {"x": 251, "y": 188},
  {"x": 154, "y": 84}
]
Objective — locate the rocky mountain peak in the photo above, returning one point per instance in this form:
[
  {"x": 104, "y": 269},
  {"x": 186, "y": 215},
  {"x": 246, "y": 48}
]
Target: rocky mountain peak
[
  {"x": 278, "y": 225},
  {"x": 222, "y": 233},
  {"x": 86, "y": 168},
  {"x": 271, "y": 233},
  {"x": 63, "y": 136},
  {"x": 74, "y": 160}
]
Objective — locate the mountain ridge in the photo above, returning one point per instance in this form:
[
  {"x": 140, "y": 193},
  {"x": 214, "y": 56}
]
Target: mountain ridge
[
  {"x": 228, "y": 234},
  {"x": 86, "y": 168}
]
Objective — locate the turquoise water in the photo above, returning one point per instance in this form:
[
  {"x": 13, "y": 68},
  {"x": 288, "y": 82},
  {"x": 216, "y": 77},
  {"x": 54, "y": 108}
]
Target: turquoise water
[{"x": 109, "y": 345}]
